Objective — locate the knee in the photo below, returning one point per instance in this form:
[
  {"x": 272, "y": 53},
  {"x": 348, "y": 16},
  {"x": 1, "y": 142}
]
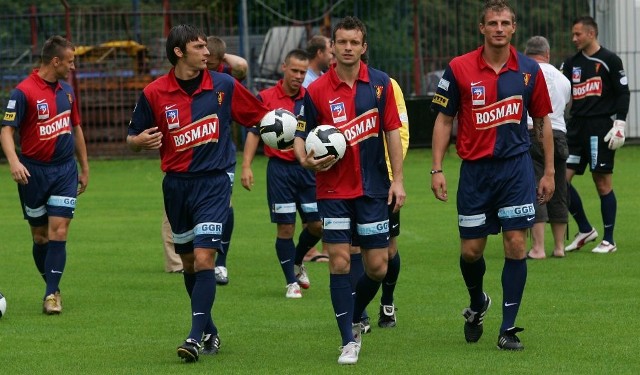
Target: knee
[{"x": 315, "y": 228}]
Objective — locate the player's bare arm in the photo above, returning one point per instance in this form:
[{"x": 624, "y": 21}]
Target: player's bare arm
[
  {"x": 149, "y": 139},
  {"x": 442, "y": 129},
  {"x": 396, "y": 190},
  {"x": 83, "y": 160},
  {"x": 249, "y": 152},
  {"x": 19, "y": 172},
  {"x": 308, "y": 161},
  {"x": 544, "y": 135}
]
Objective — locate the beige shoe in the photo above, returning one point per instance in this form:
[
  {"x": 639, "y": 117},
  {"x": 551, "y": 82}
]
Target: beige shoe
[
  {"x": 59, "y": 300},
  {"x": 50, "y": 305}
]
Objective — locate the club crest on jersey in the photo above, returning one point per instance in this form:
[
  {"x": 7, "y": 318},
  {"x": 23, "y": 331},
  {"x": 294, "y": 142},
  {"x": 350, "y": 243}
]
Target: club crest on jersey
[
  {"x": 338, "y": 112},
  {"x": 173, "y": 121},
  {"x": 598, "y": 65},
  {"x": 527, "y": 78},
  {"x": 378, "y": 92},
  {"x": 478, "y": 95},
  {"x": 70, "y": 98},
  {"x": 220, "y": 95},
  {"x": 576, "y": 74},
  {"x": 43, "y": 111}
]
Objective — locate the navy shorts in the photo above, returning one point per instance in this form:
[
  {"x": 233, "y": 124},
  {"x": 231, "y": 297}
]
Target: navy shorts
[
  {"x": 291, "y": 189},
  {"x": 362, "y": 221},
  {"x": 52, "y": 191},
  {"x": 197, "y": 208},
  {"x": 585, "y": 137},
  {"x": 495, "y": 194}
]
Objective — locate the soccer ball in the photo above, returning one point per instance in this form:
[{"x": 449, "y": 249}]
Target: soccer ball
[
  {"x": 3, "y": 305},
  {"x": 326, "y": 140},
  {"x": 278, "y": 128}
]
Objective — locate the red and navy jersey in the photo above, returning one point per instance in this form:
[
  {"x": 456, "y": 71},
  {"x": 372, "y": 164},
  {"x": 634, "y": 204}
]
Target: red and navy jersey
[
  {"x": 362, "y": 113},
  {"x": 492, "y": 108},
  {"x": 599, "y": 85},
  {"x": 275, "y": 98},
  {"x": 44, "y": 115},
  {"x": 196, "y": 129}
]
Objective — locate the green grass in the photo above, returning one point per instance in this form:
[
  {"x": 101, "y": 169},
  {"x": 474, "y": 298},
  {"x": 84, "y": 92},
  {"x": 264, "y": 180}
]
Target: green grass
[{"x": 124, "y": 315}]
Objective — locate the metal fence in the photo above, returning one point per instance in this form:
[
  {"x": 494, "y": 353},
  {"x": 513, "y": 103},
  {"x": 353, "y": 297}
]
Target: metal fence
[{"x": 119, "y": 50}]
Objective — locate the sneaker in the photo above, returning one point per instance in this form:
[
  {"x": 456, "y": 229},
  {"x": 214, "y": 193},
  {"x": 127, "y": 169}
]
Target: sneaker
[
  {"x": 301, "y": 275},
  {"x": 222, "y": 275},
  {"x": 474, "y": 319},
  {"x": 189, "y": 350},
  {"x": 50, "y": 305},
  {"x": 293, "y": 291},
  {"x": 387, "y": 316},
  {"x": 210, "y": 344},
  {"x": 365, "y": 325},
  {"x": 582, "y": 238},
  {"x": 349, "y": 355},
  {"x": 604, "y": 248},
  {"x": 357, "y": 329},
  {"x": 509, "y": 341}
]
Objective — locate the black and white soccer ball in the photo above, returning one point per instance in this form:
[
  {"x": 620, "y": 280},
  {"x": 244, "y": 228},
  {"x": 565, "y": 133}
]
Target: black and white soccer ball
[
  {"x": 278, "y": 128},
  {"x": 326, "y": 140},
  {"x": 3, "y": 305}
]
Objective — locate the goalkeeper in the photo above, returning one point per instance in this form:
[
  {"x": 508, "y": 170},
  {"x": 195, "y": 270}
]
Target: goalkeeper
[{"x": 600, "y": 104}]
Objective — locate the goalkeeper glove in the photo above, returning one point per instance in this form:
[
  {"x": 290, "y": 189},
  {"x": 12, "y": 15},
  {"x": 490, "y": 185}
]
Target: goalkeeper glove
[{"x": 615, "y": 137}]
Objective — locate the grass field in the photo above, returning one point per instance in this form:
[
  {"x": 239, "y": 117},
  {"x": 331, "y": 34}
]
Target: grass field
[{"x": 124, "y": 315}]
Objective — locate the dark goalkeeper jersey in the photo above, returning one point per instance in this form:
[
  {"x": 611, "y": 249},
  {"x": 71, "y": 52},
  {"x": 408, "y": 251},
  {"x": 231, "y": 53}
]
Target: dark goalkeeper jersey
[{"x": 599, "y": 86}]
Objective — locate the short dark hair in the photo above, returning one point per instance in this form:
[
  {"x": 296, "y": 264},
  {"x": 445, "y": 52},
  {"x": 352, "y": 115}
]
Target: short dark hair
[
  {"x": 297, "y": 53},
  {"x": 55, "y": 47},
  {"x": 316, "y": 43},
  {"x": 351, "y": 23},
  {"x": 496, "y": 6},
  {"x": 587, "y": 21},
  {"x": 179, "y": 36}
]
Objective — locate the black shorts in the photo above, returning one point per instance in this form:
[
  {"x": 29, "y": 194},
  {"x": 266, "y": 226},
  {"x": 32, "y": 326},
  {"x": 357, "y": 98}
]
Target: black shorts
[{"x": 585, "y": 137}]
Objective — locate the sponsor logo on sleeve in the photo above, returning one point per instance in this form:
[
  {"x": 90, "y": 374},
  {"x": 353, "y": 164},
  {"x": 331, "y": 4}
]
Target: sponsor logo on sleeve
[
  {"x": 506, "y": 111},
  {"x": 11, "y": 104},
  {"x": 9, "y": 116},
  {"x": 443, "y": 84},
  {"x": 623, "y": 78},
  {"x": 440, "y": 100},
  {"x": 302, "y": 125}
]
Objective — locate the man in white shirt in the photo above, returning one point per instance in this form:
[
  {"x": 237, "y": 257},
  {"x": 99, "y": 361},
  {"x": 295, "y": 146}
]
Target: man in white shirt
[{"x": 556, "y": 210}]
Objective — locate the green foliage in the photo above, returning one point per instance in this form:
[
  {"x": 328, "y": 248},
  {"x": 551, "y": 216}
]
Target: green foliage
[{"x": 124, "y": 315}]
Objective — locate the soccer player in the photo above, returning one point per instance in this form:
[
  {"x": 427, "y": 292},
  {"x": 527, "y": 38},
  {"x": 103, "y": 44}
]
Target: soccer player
[
  {"x": 491, "y": 90},
  {"x": 186, "y": 115},
  {"x": 555, "y": 211},
  {"x": 354, "y": 192},
  {"x": 290, "y": 187},
  {"x": 320, "y": 55},
  {"x": 44, "y": 110},
  {"x": 387, "y": 313},
  {"x": 220, "y": 61},
  {"x": 598, "y": 119}
]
